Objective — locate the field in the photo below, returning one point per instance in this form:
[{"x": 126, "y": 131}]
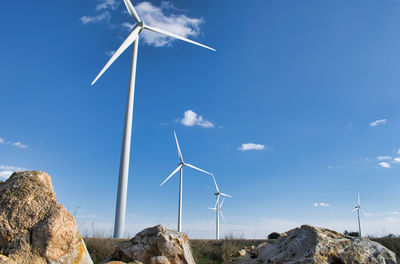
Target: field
[{"x": 210, "y": 251}]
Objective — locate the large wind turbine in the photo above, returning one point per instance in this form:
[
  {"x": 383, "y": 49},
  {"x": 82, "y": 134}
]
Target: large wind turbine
[
  {"x": 133, "y": 38},
  {"x": 218, "y": 207},
  {"x": 358, "y": 208},
  {"x": 180, "y": 168}
]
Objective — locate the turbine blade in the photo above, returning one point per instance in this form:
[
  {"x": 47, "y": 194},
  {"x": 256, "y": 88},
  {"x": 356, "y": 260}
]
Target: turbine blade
[
  {"x": 222, "y": 203},
  {"x": 128, "y": 41},
  {"x": 223, "y": 218},
  {"x": 131, "y": 10},
  {"x": 216, "y": 185},
  {"x": 176, "y": 36},
  {"x": 193, "y": 167},
  {"x": 179, "y": 149},
  {"x": 212, "y": 208},
  {"x": 172, "y": 174},
  {"x": 226, "y": 195},
  {"x": 216, "y": 202}
]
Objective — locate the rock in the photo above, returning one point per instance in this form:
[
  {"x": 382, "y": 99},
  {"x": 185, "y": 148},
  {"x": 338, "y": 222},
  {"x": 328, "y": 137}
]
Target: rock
[
  {"x": 312, "y": 245},
  {"x": 155, "y": 245},
  {"x": 34, "y": 228}
]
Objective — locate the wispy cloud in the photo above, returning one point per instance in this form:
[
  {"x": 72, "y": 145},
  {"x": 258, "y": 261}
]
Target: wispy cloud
[
  {"x": 396, "y": 160},
  {"x": 385, "y": 165},
  {"x": 15, "y": 144},
  {"x": 322, "y": 205},
  {"x": 334, "y": 167},
  {"x": 161, "y": 17},
  {"x": 104, "y": 16},
  {"x": 19, "y": 145},
  {"x": 383, "y": 158},
  {"x": 378, "y": 122},
  {"x": 190, "y": 118},
  {"x": 253, "y": 146},
  {"x": 109, "y": 53},
  {"x": 107, "y": 4}
]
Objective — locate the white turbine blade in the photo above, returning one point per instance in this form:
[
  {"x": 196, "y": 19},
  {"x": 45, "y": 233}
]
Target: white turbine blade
[
  {"x": 222, "y": 203},
  {"x": 226, "y": 195},
  {"x": 223, "y": 218},
  {"x": 128, "y": 41},
  {"x": 215, "y": 209},
  {"x": 193, "y": 167},
  {"x": 131, "y": 10},
  {"x": 364, "y": 213},
  {"x": 179, "y": 149},
  {"x": 216, "y": 185},
  {"x": 176, "y": 36},
  {"x": 172, "y": 174},
  {"x": 356, "y": 208}
]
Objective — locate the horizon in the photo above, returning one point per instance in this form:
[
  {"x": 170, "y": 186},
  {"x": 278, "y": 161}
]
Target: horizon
[{"x": 295, "y": 112}]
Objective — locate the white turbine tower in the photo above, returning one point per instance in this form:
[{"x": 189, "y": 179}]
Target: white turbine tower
[
  {"x": 133, "y": 38},
  {"x": 218, "y": 207},
  {"x": 180, "y": 168},
  {"x": 358, "y": 208}
]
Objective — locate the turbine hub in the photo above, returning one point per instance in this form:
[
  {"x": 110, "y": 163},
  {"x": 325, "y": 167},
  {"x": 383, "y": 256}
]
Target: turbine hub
[{"x": 141, "y": 24}]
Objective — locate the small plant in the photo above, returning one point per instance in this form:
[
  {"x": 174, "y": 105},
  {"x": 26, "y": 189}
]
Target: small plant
[
  {"x": 351, "y": 233},
  {"x": 273, "y": 235}
]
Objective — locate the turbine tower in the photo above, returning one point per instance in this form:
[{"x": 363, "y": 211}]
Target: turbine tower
[
  {"x": 133, "y": 38},
  {"x": 180, "y": 168},
  {"x": 218, "y": 207},
  {"x": 358, "y": 208}
]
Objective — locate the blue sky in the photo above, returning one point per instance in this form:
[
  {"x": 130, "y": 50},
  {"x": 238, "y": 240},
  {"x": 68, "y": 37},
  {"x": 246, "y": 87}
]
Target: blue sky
[{"x": 313, "y": 85}]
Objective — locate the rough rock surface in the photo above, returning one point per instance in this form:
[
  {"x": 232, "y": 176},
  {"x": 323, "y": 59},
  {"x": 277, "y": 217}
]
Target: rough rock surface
[
  {"x": 34, "y": 228},
  {"x": 312, "y": 245},
  {"x": 155, "y": 245}
]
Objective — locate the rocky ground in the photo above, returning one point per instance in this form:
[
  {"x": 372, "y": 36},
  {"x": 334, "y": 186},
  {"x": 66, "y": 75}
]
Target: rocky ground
[{"x": 35, "y": 229}]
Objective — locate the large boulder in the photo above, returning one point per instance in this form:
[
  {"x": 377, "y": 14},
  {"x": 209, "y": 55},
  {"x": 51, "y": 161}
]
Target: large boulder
[
  {"x": 312, "y": 245},
  {"x": 34, "y": 228},
  {"x": 155, "y": 245}
]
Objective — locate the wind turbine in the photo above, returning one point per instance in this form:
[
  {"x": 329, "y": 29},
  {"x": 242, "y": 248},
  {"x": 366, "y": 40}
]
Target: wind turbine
[
  {"x": 133, "y": 38},
  {"x": 358, "y": 208},
  {"x": 218, "y": 206},
  {"x": 180, "y": 168}
]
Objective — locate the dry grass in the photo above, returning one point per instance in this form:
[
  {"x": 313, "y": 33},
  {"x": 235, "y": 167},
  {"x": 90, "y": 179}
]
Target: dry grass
[
  {"x": 210, "y": 251},
  {"x": 100, "y": 248}
]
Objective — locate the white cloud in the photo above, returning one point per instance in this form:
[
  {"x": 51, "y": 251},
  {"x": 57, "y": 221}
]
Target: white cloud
[
  {"x": 6, "y": 171},
  {"x": 2, "y": 141},
  {"x": 396, "y": 160},
  {"x": 104, "y": 16},
  {"x": 252, "y": 146},
  {"x": 384, "y": 165},
  {"x": 384, "y": 158},
  {"x": 398, "y": 151},
  {"x": 190, "y": 118},
  {"x": 378, "y": 122},
  {"x": 322, "y": 205},
  {"x": 161, "y": 18},
  {"x": 109, "y": 53},
  {"x": 19, "y": 145},
  {"x": 395, "y": 213},
  {"x": 112, "y": 4},
  {"x": 5, "y": 174}
]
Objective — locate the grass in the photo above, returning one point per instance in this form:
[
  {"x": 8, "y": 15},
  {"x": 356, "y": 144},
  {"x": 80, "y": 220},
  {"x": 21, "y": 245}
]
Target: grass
[{"x": 210, "y": 251}]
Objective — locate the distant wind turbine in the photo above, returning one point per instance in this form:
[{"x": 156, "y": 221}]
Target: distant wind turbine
[
  {"x": 133, "y": 38},
  {"x": 358, "y": 208},
  {"x": 218, "y": 206},
  {"x": 180, "y": 168}
]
